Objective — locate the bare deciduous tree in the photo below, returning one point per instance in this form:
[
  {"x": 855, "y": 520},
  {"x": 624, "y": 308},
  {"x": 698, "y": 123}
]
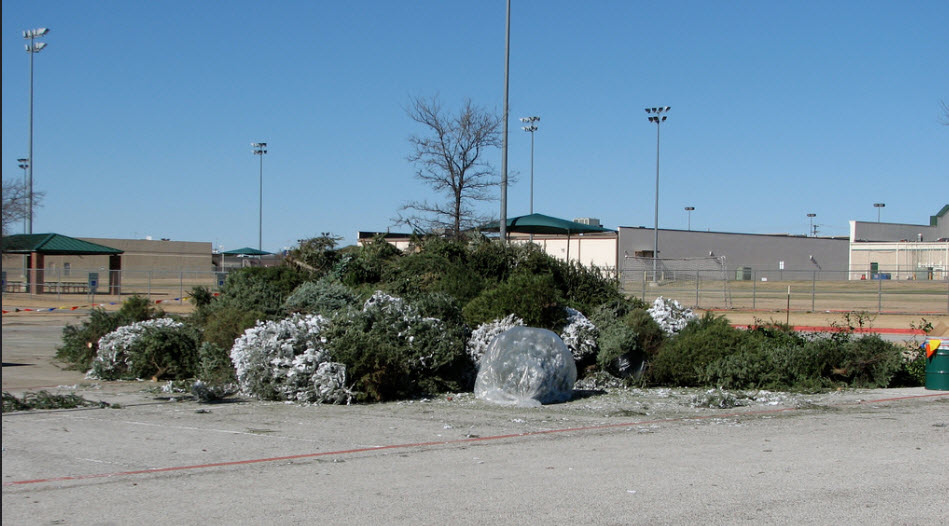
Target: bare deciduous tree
[
  {"x": 16, "y": 203},
  {"x": 451, "y": 160},
  {"x": 945, "y": 113}
]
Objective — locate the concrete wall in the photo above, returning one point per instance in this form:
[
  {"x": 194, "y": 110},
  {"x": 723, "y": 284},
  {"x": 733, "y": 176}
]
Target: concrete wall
[{"x": 775, "y": 257}]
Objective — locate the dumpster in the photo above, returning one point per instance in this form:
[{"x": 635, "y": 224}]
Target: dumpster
[{"x": 937, "y": 364}]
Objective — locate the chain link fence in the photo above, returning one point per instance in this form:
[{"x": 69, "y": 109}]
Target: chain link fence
[
  {"x": 703, "y": 287},
  {"x": 814, "y": 291},
  {"x": 156, "y": 285}
]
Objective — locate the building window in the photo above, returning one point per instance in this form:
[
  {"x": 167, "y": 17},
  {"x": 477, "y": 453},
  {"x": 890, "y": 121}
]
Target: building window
[{"x": 65, "y": 269}]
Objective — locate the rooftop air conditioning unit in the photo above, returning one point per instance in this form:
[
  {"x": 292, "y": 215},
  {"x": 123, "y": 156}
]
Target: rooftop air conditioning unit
[{"x": 587, "y": 221}]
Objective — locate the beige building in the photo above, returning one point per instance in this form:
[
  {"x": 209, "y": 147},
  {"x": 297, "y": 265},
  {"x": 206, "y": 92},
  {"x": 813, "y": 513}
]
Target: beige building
[
  {"x": 139, "y": 256},
  {"x": 900, "y": 251}
]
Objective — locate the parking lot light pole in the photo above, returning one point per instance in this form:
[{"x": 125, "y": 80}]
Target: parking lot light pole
[
  {"x": 260, "y": 148},
  {"x": 689, "y": 209},
  {"x": 531, "y": 128},
  {"x": 32, "y": 48},
  {"x": 656, "y": 116},
  {"x": 24, "y": 165},
  {"x": 878, "y": 206},
  {"x": 811, "y": 218}
]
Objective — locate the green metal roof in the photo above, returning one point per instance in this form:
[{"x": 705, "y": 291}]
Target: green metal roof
[
  {"x": 55, "y": 244},
  {"x": 934, "y": 220},
  {"x": 542, "y": 224},
  {"x": 246, "y": 251}
]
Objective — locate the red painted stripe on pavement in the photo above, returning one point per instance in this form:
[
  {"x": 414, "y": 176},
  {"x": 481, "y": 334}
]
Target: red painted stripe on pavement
[
  {"x": 448, "y": 442},
  {"x": 824, "y": 328}
]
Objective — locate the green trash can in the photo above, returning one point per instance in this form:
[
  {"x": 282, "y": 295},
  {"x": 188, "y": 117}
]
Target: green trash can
[{"x": 937, "y": 365}]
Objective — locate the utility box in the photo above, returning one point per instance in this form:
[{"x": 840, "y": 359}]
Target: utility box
[
  {"x": 743, "y": 274},
  {"x": 221, "y": 278},
  {"x": 93, "y": 282}
]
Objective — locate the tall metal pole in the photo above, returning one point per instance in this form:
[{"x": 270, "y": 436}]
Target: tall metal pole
[
  {"x": 811, "y": 217},
  {"x": 689, "y": 209},
  {"x": 260, "y": 148},
  {"x": 657, "y": 118},
  {"x": 32, "y": 48},
  {"x": 507, "y": 64},
  {"x": 534, "y": 128},
  {"x": 24, "y": 164},
  {"x": 531, "y": 128},
  {"x": 655, "y": 253},
  {"x": 878, "y": 206}
]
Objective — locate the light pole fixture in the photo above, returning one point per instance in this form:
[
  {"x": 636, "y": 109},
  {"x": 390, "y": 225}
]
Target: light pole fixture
[
  {"x": 689, "y": 209},
  {"x": 656, "y": 116},
  {"x": 260, "y": 148},
  {"x": 531, "y": 128},
  {"x": 811, "y": 218},
  {"x": 878, "y": 206},
  {"x": 32, "y": 48}
]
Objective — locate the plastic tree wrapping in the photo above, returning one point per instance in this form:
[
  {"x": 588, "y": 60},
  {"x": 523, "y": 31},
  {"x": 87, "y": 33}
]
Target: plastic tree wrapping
[{"x": 526, "y": 367}]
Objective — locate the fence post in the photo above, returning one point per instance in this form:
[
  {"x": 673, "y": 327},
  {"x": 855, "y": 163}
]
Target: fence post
[
  {"x": 879, "y": 295},
  {"x": 754, "y": 289},
  {"x": 696, "y": 289},
  {"x": 181, "y": 287},
  {"x": 813, "y": 288}
]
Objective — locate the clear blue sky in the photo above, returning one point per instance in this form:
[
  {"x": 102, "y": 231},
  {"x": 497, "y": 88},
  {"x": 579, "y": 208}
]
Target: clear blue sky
[{"x": 145, "y": 111}]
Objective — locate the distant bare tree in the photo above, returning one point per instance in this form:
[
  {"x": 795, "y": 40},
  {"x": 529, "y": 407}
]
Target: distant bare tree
[
  {"x": 16, "y": 203},
  {"x": 451, "y": 160},
  {"x": 945, "y": 113}
]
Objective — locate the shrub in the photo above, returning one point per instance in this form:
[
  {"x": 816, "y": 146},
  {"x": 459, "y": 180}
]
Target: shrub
[
  {"x": 869, "y": 361},
  {"x": 81, "y": 342},
  {"x": 261, "y": 289},
  {"x": 670, "y": 315},
  {"x": 481, "y": 337},
  {"x": 214, "y": 365},
  {"x": 46, "y": 400},
  {"x": 912, "y": 370},
  {"x": 324, "y": 297},
  {"x": 201, "y": 296},
  {"x": 393, "y": 352},
  {"x": 159, "y": 348},
  {"x": 137, "y": 308},
  {"x": 586, "y": 288},
  {"x": 628, "y": 340},
  {"x": 580, "y": 335},
  {"x": 531, "y": 297},
  {"x": 368, "y": 264},
  {"x": 441, "y": 306},
  {"x": 287, "y": 360},
  {"x": 620, "y": 352},
  {"x": 683, "y": 360},
  {"x": 614, "y": 309},
  {"x": 492, "y": 260},
  {"x": 222, "y": 324},
  {"x": 317, "y": 255},
  {"x": 650, "y": 333}
]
